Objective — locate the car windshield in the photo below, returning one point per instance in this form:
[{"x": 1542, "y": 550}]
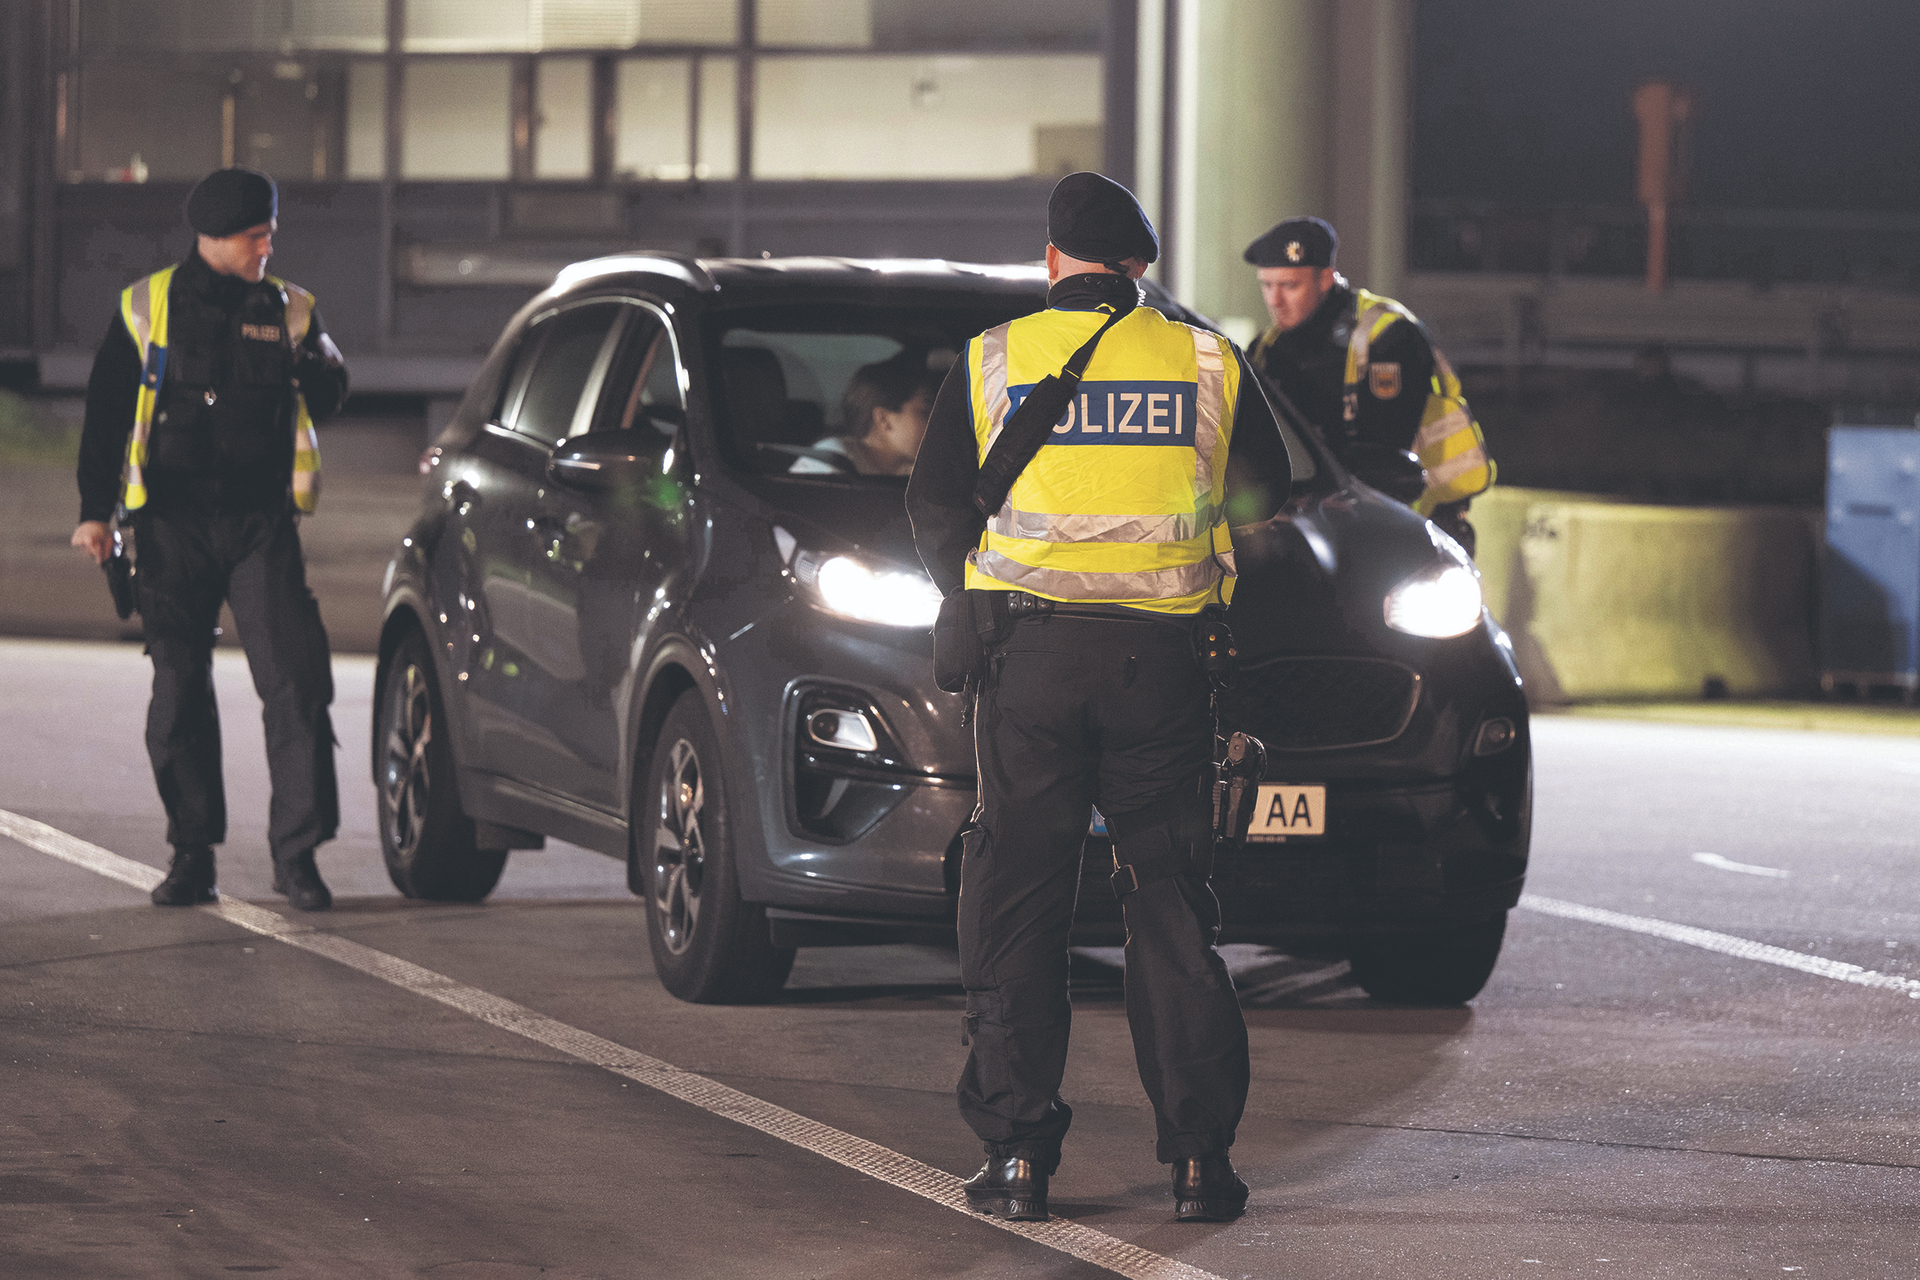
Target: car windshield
[
  {"x": 841, "y": 392},
  {"x": 837, "y": 391}
]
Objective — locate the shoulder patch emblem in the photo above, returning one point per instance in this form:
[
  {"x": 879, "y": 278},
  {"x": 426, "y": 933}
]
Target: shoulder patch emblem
[
  {"x": 1384, "y": 380},
  {"x": 261, "y": 332}
]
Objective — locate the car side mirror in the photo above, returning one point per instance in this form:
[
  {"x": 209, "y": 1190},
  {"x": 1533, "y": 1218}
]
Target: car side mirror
[
  {"x": 605, "y": 461},
  {"x": 1394, "y": 472}
]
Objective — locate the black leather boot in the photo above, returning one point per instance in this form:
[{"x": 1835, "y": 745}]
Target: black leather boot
[
  {"x": 1009, "y": 1188},
  {"x": 1206, "y": 1189},
  {"x": 300, "y": 880},
  {"x": 189, "y": 877}
]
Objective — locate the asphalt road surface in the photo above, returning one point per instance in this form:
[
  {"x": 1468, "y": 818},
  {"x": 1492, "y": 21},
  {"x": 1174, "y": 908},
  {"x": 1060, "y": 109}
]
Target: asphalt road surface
[{"x": 1698, "y": 1056}]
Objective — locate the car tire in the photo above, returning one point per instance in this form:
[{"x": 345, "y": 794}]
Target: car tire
[
  {"x": 428, "y": 842},
  {"x": 709, "y": 946},
  {"x": 1439, "y": 968}
]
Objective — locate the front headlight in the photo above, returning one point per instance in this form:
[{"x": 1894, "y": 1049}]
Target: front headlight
[
  {"x": 852, "y": 589},
  {"x": 1437, "y": 602}
]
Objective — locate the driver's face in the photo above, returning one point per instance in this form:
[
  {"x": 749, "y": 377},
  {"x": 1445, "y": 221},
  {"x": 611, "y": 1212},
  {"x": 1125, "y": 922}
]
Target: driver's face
[{"x": 897, "y": 433}]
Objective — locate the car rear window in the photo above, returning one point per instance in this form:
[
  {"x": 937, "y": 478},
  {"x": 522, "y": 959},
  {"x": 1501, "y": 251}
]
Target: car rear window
[{"x": 831, "y": 391}]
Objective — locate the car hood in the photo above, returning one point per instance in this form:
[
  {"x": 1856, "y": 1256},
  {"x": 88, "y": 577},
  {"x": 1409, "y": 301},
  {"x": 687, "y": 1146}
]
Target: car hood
[
  {"x": 1314, "y": 578},
  {"x": 826, "y": 515}
]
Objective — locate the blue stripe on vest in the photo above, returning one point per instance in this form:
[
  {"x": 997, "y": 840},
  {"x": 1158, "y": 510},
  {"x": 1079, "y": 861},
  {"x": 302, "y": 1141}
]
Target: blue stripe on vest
[
  {"x": 156, "y": 366},
  {"x": 1125, "y": 412}
]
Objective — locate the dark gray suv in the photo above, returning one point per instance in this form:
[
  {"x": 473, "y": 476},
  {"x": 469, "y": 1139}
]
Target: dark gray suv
[{"x": 649, "y": 609}]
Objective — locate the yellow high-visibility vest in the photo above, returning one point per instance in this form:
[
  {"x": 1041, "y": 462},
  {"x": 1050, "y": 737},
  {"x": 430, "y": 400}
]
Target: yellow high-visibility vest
[
  {"x": 143, "y": 306},
  {"x": 1450, "y": 444},
  {"x": 1125, "y": 503}
]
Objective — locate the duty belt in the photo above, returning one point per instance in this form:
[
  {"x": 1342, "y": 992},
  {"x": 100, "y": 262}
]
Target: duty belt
[{"x": 1022, "y": 606}]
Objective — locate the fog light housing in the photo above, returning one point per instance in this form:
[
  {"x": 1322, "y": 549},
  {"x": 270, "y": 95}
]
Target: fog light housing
[
  {"x": 848, "y": 730},
  {"x": 1495, "y": 736}
]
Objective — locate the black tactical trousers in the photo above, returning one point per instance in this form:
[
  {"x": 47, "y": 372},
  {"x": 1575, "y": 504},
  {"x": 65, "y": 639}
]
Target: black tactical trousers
[
  {"x": 1074, "y": 712},
  {"x": 188, "y": 564}
]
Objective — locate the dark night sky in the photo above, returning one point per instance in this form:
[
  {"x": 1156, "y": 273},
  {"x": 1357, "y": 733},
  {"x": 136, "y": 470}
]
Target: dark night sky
[{"x": 1797, "y": 103}]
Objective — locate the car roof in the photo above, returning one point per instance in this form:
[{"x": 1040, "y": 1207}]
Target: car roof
[{"x": 682, "y": 273}]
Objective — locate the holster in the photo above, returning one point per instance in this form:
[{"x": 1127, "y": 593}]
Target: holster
[
  {"x": 969, "y": 625},
  {"x": 1237, "y": 786},
  {"x": 119, "y": 569}
]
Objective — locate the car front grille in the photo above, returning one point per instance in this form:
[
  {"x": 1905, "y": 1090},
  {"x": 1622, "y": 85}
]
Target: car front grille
[{"x": 1321, "y": 703}]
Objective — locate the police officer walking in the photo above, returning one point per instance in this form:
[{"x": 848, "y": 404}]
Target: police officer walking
[
  {"x": 1110, "y": 542},
  {"x": 1361, "y": 368},
  {"x": 200, "y": 433}
]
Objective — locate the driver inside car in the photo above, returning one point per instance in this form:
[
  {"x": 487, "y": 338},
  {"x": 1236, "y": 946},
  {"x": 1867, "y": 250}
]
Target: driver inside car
[{"x": 891, "y": 400}]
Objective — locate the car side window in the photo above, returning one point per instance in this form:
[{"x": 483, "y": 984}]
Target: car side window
[
  {"x": 643, "y": 383},
  {"x": 566, "y": 356}
]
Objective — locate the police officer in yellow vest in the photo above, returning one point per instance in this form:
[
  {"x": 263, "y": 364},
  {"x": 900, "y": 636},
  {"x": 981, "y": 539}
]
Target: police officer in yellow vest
[
  {"x": 1110, "y": 542},
  {"x": 1361, "y": 368},
  {"x": 199, "y": 434}
]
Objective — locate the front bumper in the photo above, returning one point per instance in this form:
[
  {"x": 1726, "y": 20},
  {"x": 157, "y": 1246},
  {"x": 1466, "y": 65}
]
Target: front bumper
[{"x": 1395, "y": 859}]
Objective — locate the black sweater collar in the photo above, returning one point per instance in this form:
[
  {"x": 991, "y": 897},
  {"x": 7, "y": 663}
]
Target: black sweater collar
[
  {"x": 1092, "y": 292},
  {"x": 204, "y": 281}
]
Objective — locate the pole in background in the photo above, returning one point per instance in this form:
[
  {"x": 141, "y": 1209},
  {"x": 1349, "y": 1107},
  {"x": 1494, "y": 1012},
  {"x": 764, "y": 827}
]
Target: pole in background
[{"x": 1662, "y": 110}]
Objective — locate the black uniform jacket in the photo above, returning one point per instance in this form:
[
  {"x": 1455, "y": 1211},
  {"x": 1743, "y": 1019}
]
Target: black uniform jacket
[
  {"x": 940, "y": 494},
  {"x": 222, "y": 438},
  {"x": 1308, "y": 365}
]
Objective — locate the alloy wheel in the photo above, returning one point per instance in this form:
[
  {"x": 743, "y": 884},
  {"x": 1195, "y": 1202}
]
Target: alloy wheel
[
  {"x": 404, "y": 778},
  {"x": 679, "y": 852}
]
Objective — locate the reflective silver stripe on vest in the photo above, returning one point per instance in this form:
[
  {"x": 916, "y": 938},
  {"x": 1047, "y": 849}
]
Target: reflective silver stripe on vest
[
  {"x": 1206, "y": 417},
  {"x": 993, "y": 378},
  {"x": 142, "y": 306},
  {"x": 1038, "y": 526},
  {"x": 1062, "y": 584}
]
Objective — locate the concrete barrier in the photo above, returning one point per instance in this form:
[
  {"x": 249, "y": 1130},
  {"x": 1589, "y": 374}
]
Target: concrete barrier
[{"x": 1607, "y": 599}]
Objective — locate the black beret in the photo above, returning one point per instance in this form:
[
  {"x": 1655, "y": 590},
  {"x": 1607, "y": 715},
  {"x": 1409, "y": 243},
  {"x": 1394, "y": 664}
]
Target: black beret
[
  {"x": 1297, "y": 242},
  {"x": 228, "y": 201},
  {"x": 1095, "y": 219}
]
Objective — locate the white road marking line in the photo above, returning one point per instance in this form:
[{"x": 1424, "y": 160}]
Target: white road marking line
[
  {"x": 1725, "y": 943},
  {"x": 1719, "y": 863},
  {"x": 869, "y": 1158}
]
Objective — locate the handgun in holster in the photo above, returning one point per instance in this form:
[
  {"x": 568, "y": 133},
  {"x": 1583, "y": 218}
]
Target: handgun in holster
[
  {"x": 1236, "y": 786},
  {"x": 120, "y": 574}
]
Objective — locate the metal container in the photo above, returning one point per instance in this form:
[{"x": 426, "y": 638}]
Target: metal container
[{"x": 1870, "y": 582}]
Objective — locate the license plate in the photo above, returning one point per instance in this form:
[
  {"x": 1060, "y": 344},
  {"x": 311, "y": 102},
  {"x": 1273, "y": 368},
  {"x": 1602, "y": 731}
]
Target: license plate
[{"x": 1282, "y": 811}]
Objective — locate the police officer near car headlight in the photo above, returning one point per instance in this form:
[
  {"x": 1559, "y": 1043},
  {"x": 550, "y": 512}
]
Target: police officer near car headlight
[
  {"x": 1111, "y": 542},
  {"x": 199, "y": 433},
  {"x": 1362, "y": 369}
]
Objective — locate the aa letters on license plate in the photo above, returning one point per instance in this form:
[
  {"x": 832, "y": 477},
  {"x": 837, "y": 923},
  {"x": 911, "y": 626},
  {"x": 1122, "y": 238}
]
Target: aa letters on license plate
[{"x": 1282, "y": 811}]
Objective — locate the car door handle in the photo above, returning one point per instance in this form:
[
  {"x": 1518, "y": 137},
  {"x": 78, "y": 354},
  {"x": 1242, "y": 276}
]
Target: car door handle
[
  {"x": 463, "y": 498},
  {"x": 552, "y": 534}
]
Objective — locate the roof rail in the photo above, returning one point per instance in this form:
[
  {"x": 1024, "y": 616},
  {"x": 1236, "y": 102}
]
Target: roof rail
[{"x": 666, "y": 262}]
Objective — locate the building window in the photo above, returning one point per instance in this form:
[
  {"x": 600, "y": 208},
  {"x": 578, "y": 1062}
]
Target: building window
[
  {"x": 845, "y": 24},
  {"x": 366, "y": 128},
  {"x": 563, "y": 118},
  {"x": 456, "y": 118},
  {"x": 508, "y": 90},
  {"x": 892, "y": 116},
  {"x": 530, "y": 26},
  {"x": 232, "y": 26}
]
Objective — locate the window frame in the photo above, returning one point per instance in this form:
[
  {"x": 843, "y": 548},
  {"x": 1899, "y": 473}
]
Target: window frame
[
  {"x": 532, "y": 351},
  {"x": 661, "y": 313}
]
